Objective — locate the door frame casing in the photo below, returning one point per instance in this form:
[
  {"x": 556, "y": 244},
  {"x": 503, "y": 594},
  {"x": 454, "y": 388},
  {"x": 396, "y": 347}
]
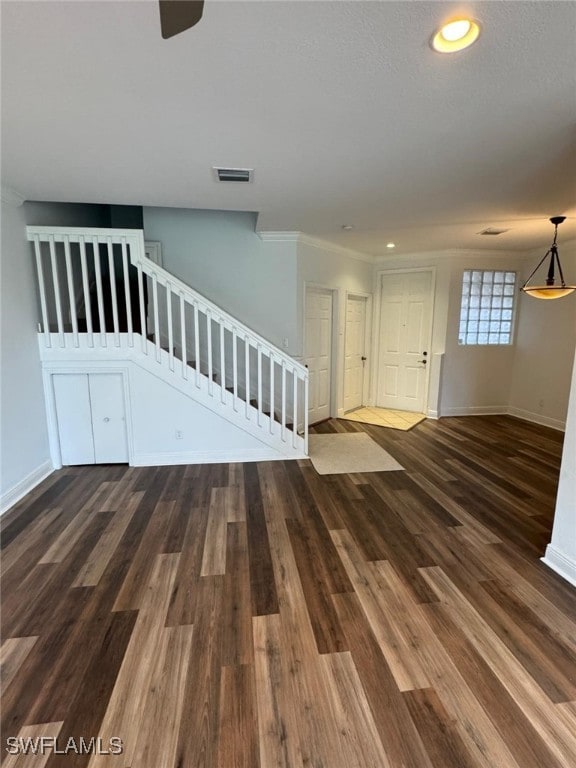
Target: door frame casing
[
  {"x": 377, "y": 321},
  {"x": 334, "y": 356},
  {"x": 368, "y": 346}
]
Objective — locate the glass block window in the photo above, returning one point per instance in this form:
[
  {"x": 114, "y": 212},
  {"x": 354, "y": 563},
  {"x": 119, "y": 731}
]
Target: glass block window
[{"x": 487, "y": 309}]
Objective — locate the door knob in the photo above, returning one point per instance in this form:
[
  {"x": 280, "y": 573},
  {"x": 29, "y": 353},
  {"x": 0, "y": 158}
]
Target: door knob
[
  {"x": 106, "y": 419},
  {"x": 363, "y": 358},
  {"x": 423, "y": 361}
]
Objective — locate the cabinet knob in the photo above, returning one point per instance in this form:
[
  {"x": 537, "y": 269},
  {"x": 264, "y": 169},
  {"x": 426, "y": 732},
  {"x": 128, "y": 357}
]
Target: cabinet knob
[{"x": 106, "y": 419}]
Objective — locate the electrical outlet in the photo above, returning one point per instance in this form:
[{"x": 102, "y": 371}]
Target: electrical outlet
[
  {"x": 285, "y": 342},
  {"x": 541, "y": 403},
  {"x": 179, "y": 435}
]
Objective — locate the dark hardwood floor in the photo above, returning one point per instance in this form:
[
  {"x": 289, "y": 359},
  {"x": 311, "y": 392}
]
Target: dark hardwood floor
[{"x": 264, "y": 616}]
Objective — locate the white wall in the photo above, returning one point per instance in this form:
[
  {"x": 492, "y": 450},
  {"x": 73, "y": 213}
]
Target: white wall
[
  {"x": 463, "y": 379},
  {"x": 219, "y": 254},
  {"x": 544, "y": 350},
  {"x": 561, "y": 552},
  {"x": 159, "y": 410},
  {"x": 342, "y": 272},
  {"x": 24, "y": 452},
  {"x": 477, "y": 379}
]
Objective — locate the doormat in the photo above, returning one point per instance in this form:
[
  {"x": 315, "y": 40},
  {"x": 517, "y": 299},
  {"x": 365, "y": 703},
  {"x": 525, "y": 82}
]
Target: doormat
[
  {"x": 386, "y": 417},
  {"x": 344, "y": 453}
]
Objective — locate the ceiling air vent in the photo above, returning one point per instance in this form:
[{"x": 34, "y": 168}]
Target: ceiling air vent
[
  {"x": 492, "y": 231},
  {"x": 234, "y": 174}
]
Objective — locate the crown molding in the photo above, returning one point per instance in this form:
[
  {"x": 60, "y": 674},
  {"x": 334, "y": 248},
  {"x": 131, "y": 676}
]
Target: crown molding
[
  {"x": 449, "y": 253},
  {"x": 300, "y": 238},
  {"x": 12, "y": 197},
  {"x": 279, "y": 237}
]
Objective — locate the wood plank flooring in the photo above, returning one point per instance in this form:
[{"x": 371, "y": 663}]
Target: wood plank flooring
[{"x": 263, "y": 616}]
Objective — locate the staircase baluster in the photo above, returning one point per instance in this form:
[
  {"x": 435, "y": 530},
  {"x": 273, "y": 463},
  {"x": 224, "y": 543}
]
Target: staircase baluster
[
  {"x": 183, "y": 337},
  {"x": 169, "y": 321},
  {"x": 197, "y": 343},
  {"x": 86, "y": 291},
  {"x": 259, "y": 403},
  {"x": 283, "y": 431},
  {"x": 127, "y": 297},
  {"x": 234, "y": 369},
  {"x": 98, "y": 274},
  {"x": 71, "y": 296},
  {"x": 247, "y": 364},
  {"x": 156, "y": 317},
  {"x": 43, "y": 308},
  {"x": 143, "y": 328},
  {"x": 271, "y": 392},
  {"x": 113, "y": 295},
  {"x": 56, "y": 284},
  {"x": 295, "y": 407},
  {"x": 222, "y": 363},
  {"x": 209, "y": 340},
  {"x": 305, "y": 380}
]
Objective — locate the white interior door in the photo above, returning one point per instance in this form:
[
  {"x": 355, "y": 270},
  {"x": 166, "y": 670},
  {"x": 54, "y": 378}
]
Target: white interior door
[
  {"x": 91, "y": 418},
  {"x": 354, "y": 352},
  {"x": 405, "y": 324},
  {"x": 108, "y": 418},
  {"x": 318, "y": 352},
  {"x": 74, "y": 416}
]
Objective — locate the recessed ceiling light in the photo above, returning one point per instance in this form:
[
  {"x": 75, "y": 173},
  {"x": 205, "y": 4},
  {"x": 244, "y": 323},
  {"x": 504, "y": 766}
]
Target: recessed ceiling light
[
  {"x": 455, "y": 36},
  {"x": 347, "y": 227},
  {"x": 390, "y": 245}
]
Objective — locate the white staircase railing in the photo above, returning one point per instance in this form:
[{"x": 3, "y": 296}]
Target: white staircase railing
[{"x": 97, "y": 289}]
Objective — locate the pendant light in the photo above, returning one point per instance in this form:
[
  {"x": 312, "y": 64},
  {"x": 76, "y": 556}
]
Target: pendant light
[{"x": 550, "y": 290}]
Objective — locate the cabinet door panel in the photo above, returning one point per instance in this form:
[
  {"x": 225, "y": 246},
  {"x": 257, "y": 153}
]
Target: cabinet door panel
[
  {"x": 108, "y": 418},
  {"x": 73, "y": 412}
]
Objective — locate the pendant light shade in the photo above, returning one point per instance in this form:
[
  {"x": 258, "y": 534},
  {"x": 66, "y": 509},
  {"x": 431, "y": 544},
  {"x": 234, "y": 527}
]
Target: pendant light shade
[{"x": 550, "y": 290}]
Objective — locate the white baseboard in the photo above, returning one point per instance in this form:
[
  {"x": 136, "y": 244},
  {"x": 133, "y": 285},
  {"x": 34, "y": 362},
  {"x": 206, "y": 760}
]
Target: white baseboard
[
  {"x": 476, "y": 410},
  {"x": 27, "y": 484},
  {"x": 503, "y": 410},
  {"x": 208, "y": 457},
  {"x": 432, "y": 414},
  {"x": 537, "y": 418},
  {"x": 559, "y": 562}
]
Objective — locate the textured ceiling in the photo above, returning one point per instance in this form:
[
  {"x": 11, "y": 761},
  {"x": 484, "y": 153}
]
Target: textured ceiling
[{"x": 342, "y": 108}]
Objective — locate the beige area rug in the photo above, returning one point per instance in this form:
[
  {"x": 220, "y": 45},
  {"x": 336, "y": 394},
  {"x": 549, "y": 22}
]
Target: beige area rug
[
  {"x": 386, "y": 417},
  {"x": 340, "y": 453}
]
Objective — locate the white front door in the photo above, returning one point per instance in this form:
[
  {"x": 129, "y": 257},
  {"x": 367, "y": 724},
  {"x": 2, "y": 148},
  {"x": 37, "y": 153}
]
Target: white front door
[
  {"x": 354, "y": 352},
  {"x": 318, "y": 352},
  {"x": 405, "y": 325}
]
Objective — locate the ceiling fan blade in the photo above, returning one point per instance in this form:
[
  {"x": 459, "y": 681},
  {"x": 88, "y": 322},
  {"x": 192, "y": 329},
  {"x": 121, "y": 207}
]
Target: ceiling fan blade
[{"x": 178, "y": 15}]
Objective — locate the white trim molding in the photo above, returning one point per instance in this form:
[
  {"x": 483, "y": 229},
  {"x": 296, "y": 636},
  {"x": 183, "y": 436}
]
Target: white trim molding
[
  {"x": 476, "y": 410},
  {"x": 300, "y": 238},
  {"x": 27, "y": 484},
  {"x": 564, "y": 566},
  {"x": 12, "y": 197},
  {"x": 392, "y": 259},
  {"x": 537, "y": 418}
]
